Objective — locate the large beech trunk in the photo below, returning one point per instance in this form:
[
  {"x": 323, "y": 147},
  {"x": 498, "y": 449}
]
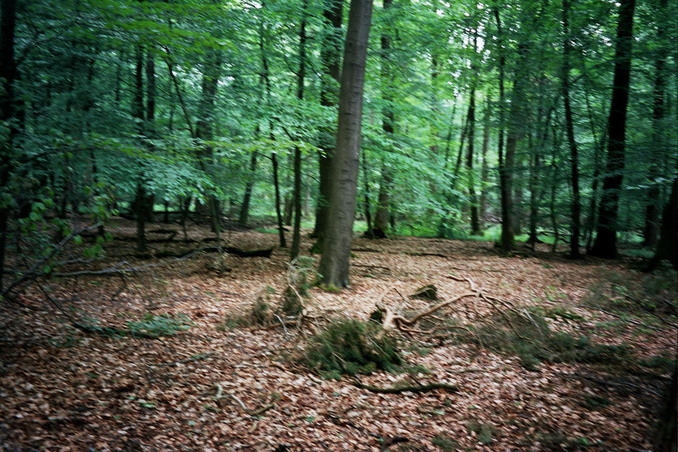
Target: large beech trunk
[{"x": 335, "y": 260}]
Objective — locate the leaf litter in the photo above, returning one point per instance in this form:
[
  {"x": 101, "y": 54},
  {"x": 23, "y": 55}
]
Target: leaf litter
[{"x": 217, "y": 387}]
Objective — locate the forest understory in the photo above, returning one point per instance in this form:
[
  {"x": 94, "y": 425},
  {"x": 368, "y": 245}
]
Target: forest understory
[{"x": 154, "y": 355}]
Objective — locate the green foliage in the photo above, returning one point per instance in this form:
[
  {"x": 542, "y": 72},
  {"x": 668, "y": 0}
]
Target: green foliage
[
  {"x": 482, "y": 429},
  {"x": 445, "y": 443},
  {"x": 350, "y": 347},
  {"x": 527, "y": 334},
  {"x": 160, "y": 325}
]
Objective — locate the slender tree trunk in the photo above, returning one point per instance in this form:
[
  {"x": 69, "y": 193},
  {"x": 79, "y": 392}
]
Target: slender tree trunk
[
  {"x": 204, "y": 130},
  {"x": 243, "y": 218},
  {"x": 485, "y": 167},
  {"x": 296, "y": 196},
  {"x": 335, "y": 260},
  {"x": 507, "y": 242},
  {"x": 8, "y": 75},
  {"x": 605, "y": 244},
  {"x": 329, "y": 95},
  {"x": 138, "y": 113},
  {"x": 651, "y": 228},
  {"x": 387, "y": 126},
  {"x": 569, "y": 127},
  {"x": 470, "y": 150},
  {"x": 369, "y": 233},
  {"x": 278, "y": 212}
]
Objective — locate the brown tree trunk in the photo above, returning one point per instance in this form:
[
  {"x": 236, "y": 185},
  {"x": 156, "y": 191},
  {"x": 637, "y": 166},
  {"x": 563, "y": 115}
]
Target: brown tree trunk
[
  {"x": 329, "y": 95},
  {"x": 605, "y": 244},
  {"x": 335, "y": 260},
  {"x": 651, "y": 228},
  {"x": 297, "y": 195},
  {"x": 388, "y": 127}
]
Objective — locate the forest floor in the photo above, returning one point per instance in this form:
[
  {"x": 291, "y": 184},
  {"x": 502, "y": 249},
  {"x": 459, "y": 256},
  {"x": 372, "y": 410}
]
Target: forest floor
[{"x": 216, "y": 386}]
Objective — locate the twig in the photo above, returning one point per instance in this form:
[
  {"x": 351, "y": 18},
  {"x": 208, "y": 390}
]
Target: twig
[{"x": 256, "y": 412}]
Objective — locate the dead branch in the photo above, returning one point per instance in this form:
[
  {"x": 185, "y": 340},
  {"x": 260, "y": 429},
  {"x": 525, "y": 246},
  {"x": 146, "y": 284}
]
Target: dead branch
[{"x": 408, "y": 388}]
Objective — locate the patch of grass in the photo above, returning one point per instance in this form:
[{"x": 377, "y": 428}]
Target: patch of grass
[
  {"x": 595, "y": 403},
  {"x": 350, "y": 347},
  {"x": 527, "y": 335},
  {"x": 160, "y": 325},
  {"x": 445, "y": 443},
  {"x": 483, "y": 430}
]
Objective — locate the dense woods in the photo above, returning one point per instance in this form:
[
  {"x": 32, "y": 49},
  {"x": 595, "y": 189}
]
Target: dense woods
[
  {"x": 545, "y": 120},
  {"x": 531, "y": 125}
]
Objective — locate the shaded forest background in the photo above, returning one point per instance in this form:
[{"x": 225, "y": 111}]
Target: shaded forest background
[{"x": 506, "y": 120}]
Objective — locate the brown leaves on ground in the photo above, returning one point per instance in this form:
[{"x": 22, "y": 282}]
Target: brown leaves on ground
[{"x": 214, "y": 387}]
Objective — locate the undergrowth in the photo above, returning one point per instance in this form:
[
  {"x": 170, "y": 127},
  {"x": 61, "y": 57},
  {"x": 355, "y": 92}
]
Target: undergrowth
[
  {"x": 350, "y": 347},
  {"x": 526, "y": 334}
]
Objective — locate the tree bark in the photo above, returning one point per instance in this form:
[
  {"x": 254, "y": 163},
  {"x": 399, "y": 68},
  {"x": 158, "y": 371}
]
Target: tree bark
[
  {"x": 667, "y": 246},
  {"x": 335, "y": 260},
  {"x": 507, "y": 241},
  {"x": 296, "y": 196},
  {"x": 575, "y": 214},
  {"x": 8, "y": 75},
  {"x": 388, "y": 127},
  {"x": 605, "y": 244},
  {"x": 329, "y": 94},
  {"x": 651, "y": 228}
]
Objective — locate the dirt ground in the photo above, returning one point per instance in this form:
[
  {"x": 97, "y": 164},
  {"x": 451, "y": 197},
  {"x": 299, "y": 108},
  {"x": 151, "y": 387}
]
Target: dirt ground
[{"x": 218, "y": 387}]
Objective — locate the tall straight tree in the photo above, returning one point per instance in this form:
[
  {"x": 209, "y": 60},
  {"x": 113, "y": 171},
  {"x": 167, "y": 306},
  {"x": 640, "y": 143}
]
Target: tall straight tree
[
  {"x": 296, "y": 198},
  {"x": 605, "y": 244},
  {"x": 8, "y": 74},
  {"x": 335, "y": 260},
  {"x": 330, "y": 54},
  {"x": 569, "y": 126},
  {"x": 387, "y": 126}
]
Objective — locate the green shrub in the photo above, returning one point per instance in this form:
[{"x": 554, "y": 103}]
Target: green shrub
[{"x": 350, "y": 347}]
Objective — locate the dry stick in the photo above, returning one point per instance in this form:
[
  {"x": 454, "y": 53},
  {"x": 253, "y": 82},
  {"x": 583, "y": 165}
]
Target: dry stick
[
  {"x": 410, "y": 388},
  {"x": 403, "y": 320},
  {"x": 220, "y": 395}
]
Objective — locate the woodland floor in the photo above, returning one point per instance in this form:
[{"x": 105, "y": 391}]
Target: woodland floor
[{"x": 214, "y": 387}]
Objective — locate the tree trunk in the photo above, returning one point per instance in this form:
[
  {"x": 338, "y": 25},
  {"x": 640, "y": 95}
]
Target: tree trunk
[
  {"x": 484, "y": 170},
  {"x": 605, "y": 244},
  {"x": 335, "y": 260},
  {"x": 297, "y": 195},
  {"x": 651, "y": 228},
  {"x": 470, "y": 150},
  {"x": 388, "y": 127},
  {"x": 667, "y": 246},
  {"x": 138, "y": 112},
  {"x": 8, "y": 75},
  {"x": 331, "y": 56},
  {"x": 506, "y": 242},
  {"x": 278, "y": 212},
  {"x": 569, "y": 127},
  {"x": 204, "y": 129},
  {"x": 249, "y": 187}
]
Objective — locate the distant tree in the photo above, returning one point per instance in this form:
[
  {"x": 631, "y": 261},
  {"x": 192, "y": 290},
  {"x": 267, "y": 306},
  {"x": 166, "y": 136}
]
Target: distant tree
[{"x": 335, "y": 260}]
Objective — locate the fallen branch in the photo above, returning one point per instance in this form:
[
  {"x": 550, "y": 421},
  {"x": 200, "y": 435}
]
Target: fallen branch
[{"x": 408, "y": 388}]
